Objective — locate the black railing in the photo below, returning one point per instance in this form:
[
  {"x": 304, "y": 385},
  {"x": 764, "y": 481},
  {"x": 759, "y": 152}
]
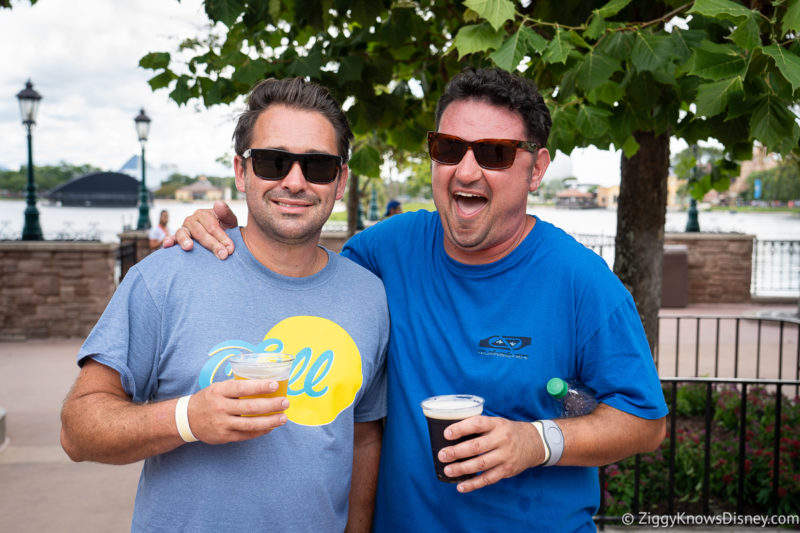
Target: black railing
[{"x": 734, "y": 432}]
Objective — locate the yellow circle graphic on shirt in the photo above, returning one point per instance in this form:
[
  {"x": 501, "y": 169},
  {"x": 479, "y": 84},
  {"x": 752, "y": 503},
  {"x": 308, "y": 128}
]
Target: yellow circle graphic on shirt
[{"x": 327, "y": 368}]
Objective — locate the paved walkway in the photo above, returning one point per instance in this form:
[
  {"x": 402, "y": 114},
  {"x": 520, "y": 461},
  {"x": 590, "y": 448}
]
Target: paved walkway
[{"x": 42, "y": 490}]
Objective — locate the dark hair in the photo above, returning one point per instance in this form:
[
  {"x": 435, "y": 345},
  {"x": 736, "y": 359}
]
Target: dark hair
[
  {"x": 297, "y": 93},
  {"x": 501, "y": 88}
]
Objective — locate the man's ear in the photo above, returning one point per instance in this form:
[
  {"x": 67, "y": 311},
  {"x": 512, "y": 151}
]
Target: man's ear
[
  {"x": 240, "y": 169},
  {"x": 539, "y": 168},
  {"x": 342, "y": 185}
]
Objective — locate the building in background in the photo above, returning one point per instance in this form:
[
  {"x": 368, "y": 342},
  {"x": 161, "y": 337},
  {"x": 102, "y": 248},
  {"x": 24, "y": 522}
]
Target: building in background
[{"x": 201, "y": 189}]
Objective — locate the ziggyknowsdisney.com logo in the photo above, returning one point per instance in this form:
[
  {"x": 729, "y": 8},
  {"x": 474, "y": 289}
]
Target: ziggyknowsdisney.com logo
[
  {"x": 510, "y": 346},
  {"x": 644, "y": 518}
]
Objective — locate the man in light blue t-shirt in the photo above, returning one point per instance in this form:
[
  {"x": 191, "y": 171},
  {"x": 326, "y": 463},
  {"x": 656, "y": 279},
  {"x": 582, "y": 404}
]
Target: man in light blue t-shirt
[
  {"x": 155, "y": 381},
  {"x": 488, "y": 300}
]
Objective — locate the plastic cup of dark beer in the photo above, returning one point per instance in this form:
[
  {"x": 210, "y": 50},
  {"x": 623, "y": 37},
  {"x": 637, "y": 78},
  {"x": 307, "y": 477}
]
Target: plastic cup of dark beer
[{"x": 440, "y": 412}]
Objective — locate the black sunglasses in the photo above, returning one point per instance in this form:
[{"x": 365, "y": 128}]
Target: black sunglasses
[
  {"x": 491, "y": 154},
  {"x": 272, "y": 164}
]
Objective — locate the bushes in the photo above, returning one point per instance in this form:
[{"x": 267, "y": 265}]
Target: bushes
[{"x": 724, "y": 456}]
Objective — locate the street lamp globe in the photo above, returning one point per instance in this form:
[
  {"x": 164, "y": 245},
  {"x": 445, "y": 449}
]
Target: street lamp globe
[
  {"x": 143, "y": 131},
  {"x": 28, "y": 106},
  {"x": 29, "y": 103}
]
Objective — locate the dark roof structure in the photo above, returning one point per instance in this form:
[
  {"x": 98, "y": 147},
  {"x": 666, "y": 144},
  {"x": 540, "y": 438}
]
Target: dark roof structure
[{"x": 100, "y": 189}]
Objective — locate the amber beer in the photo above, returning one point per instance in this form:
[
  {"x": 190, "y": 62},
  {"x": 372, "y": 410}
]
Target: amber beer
[
  {"x": 440, "y": 412},
  {"x": 274, "y": 366}
]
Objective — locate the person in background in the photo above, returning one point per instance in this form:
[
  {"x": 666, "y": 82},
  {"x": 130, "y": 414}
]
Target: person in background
[
  {"x": 154, "y": 380},
  {"x": 486, "y": 299},
  {"x": 158, "y": 232},
  {"x": 394, "y": 207}
]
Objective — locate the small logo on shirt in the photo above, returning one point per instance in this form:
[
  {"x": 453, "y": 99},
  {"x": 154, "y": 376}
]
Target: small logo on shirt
[{"x": 504, "y": 346}]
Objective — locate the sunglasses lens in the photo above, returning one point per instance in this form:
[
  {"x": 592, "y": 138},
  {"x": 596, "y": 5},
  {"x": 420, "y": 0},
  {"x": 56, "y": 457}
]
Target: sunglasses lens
[
  {"x": 494, "y": 155},
  {"x": 447, "y": 150},
  {"x": 320, "y": 168},
  {"x": 271, "y": 165}
]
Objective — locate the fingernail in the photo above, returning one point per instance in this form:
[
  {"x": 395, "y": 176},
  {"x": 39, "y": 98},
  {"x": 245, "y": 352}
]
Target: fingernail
[
  {"x": 186, "y": 243},
  {"x": 222, "y": 254},
  {"x": 283, "y": 419},
  {"x": 285, "y": 404}
]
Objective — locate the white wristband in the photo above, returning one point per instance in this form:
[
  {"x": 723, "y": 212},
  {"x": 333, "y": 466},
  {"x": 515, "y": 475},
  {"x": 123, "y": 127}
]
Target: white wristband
[
  {"x": 554, "y": 439},
  {"x": 538, "y": 425},
  {"x": 182, "y": 419}
]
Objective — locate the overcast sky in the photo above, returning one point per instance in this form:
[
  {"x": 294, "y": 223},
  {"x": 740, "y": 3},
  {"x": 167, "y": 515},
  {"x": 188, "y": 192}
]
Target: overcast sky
[{"x": 82, "y": 57}]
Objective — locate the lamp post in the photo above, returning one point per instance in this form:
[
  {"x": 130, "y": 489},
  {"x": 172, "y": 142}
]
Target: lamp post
[
  {"x": 28, "y": 105},
  {"x": 692, "y": 224},
  {"x": 373, "y": 204},
  {"x": 143, "y": 130}
]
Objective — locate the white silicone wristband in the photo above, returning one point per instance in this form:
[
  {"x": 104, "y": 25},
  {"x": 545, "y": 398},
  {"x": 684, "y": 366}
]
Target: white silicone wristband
[
  {"x": 182, "y": 419},
  {"x": 538, "y": 425},
  {"x": 554, "y": 439}
]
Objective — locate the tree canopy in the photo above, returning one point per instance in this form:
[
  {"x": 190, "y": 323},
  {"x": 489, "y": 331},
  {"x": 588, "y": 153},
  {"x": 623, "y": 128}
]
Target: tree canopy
[{"x": 614, "y": 73}]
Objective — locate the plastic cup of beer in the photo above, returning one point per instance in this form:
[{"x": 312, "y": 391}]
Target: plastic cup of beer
[
  {"x": 440, "y": 412},
  {"x": 274, "y": 366}
]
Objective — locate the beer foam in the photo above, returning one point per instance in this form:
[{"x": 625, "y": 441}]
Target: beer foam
[{"x": 452, "y": 407}]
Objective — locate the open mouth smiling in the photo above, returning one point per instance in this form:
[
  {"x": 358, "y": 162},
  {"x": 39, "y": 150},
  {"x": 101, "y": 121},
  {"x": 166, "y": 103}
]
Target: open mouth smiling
[{"x": 469, "y": 203}]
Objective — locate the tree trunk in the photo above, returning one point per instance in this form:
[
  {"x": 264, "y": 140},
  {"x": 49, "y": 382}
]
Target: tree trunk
[
  {"x": 352, "y": 204},
  {"x": 641, "y": 214}
]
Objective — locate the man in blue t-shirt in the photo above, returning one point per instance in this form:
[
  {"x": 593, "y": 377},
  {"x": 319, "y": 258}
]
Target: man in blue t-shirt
[
  {"x": 487, "y": 300},
  {"x": 155, "y": 380}
]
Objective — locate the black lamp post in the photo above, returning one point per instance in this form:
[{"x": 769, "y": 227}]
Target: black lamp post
[
  {"x": 692, "y": 224},
  {"x": 143, "y": 130},
  {"x": 28, "y": 106}
]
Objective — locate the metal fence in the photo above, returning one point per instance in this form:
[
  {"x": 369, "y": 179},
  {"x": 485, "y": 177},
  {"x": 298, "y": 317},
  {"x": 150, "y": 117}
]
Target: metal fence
[
  {"x": 776, "y": 268},
  {"x": 775, "y": 264},
  {"x": 757, "y": 356}
]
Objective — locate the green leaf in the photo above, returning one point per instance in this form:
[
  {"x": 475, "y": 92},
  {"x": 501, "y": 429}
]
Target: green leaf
[
  {"x": 720, "y": 8},
  {"x": 181, "y": 93},
  {"x": 787, "y": 62},
  {"x": 597, "y": 26},
  {"x": 559, "y": 48},
  {"x": 309, "y": 65},
  {"x": 508, "y": 56},
  {"x": 772, "y": 123},
  {"x": 161, "y": 80},
  {"x": 713, "y": 97},
  {"x": 630, "y": 147},
  {"x": 155, "y": 60},
  {"x": 686, "y": 41},
  {"x": 592, "y": 121},
  {"x": 651, "y": 51},
  {"x": 516, "y": 47},
  {"x": 225, "y": 11},
  {"x": 595, "y": 70},
  {"x": 366, "y": 161},
  {"x": 717, "y": 62},
  {"x": 250, "y": 72},
  {"x": 618, "y": 45},
  {"x": 791, "y": 19},
  {"x": 476, "y": 38},
  {"x": 350, "y": 68},
  {"x": 612, "y": 8},
  {"x": 497, "y": 12},
  {"x": 747, "y": 34}
]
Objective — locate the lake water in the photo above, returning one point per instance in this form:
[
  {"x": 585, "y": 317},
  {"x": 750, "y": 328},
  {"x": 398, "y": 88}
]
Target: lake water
[{"x": 106, "y": 223}]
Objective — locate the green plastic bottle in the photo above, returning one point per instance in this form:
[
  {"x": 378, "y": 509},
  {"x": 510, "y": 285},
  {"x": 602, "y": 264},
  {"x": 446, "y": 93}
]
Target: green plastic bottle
[{"x": 574, "y": 398}]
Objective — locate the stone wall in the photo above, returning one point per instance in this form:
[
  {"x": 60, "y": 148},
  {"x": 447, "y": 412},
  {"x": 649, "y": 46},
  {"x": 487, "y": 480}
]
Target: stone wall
[
  {"x": 52, "y": 288},
  {"x": 720, "y": 266},
  {"x": 60, "y": 289}
]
